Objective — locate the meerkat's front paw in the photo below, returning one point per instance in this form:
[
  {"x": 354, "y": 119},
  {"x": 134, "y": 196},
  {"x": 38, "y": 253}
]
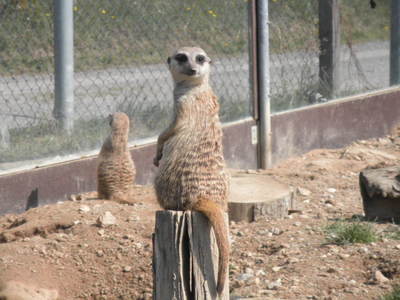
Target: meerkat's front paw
[{"x": 156, "y": 161}]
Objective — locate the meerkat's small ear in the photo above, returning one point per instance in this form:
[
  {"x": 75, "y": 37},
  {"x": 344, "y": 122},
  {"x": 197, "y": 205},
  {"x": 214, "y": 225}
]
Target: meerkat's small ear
[{"x": 169, "y": 60}]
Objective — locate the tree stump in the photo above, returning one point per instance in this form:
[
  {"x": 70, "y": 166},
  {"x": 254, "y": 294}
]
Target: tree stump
[
  {"x": 256, "y": 196},
  {"x": 185, "y": 257},
  {"x": 380, "y": 191}
]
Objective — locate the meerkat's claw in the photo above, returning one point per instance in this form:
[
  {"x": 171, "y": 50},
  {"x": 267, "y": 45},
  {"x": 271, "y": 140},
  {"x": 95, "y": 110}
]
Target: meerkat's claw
[{"x": 156, "y": 161}]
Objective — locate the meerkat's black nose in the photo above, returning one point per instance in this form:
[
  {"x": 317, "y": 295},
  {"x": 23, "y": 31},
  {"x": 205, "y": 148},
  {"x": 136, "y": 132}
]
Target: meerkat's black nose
[{"x": 192, "y": 72}]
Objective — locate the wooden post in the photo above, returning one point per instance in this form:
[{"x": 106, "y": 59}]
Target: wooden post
[
  {"x": 185, "y": 258},
  {"x": 329, "y": 37}
]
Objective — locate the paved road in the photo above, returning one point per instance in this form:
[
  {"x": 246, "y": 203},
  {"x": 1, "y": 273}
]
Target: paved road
[{"x": 25, "y": 99}]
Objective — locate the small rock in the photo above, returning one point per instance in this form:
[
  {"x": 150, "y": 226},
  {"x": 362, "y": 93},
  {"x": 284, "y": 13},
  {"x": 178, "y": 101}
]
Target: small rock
[
  {"x": 134, "y": 218},
  {"x": 127, "y": 269},
  {"x": 380, "y": 278},
  {"x": 397, "y": 247},
  {"x": 249, "y": 271},
  {"x": 276, "y": 269},
  {"x": 293, "y": 260},
  {"x": 276, "y": 231},
  {"x": 329, "y": 202},
  {"x": 263, "y": 232},
  {"x": 99, "y": 253},
  {"x": 106, "y": 219},
  {"x": 303, "y": 191},
  {"x": 260, "y": 273},
  {"x": 244, "y": 277},
  {"x": 274, "y": 285},
  {"x": 84, "y": 209},
  {"x": 384, "y": 141},
  {"x": 331, "y": 270},
  {"x": 331, "y": 190}
]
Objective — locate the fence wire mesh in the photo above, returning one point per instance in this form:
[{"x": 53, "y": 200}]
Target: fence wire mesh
[
  {"x": 120, "y": 64},
  {"x": 120, "y": 53},
  {"x": 295, "y": 50}
]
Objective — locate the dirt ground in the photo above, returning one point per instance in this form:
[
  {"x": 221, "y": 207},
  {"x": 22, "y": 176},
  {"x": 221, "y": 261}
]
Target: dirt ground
[{"x": 83, "y": 252}]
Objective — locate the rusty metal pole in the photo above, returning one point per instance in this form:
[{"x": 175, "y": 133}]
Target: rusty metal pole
[{"x": 329, "y": 38}]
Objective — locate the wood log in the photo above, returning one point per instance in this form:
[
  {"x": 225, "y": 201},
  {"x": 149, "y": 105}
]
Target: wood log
[
  {"x": 185, "y": 257},
  {"x": 380, "y": 191},
  {"x": 256, "y": 196}
]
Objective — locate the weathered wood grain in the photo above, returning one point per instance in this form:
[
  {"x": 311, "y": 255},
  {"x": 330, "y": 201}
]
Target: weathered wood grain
[
  {"x": 185, "y": 257},
  {"x": 380, "y": 191}
]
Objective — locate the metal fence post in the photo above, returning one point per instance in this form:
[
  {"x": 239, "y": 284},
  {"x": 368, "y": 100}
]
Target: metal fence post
[
  {"x": 395, "y": 43},
  {"x": 329, "y": 37},
  {"x": 64, "y": 63},
  {"x": 264, "y": 84}
]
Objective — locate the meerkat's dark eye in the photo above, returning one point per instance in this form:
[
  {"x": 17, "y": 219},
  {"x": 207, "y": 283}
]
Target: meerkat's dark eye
[
  {"x": 200, "y": 59},
  {"x": 181, "y": 58}
]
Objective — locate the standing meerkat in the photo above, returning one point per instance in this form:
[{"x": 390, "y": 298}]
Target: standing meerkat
[
  {"x": 192, "y": 169},
  {"x": 116, "y": 171}
]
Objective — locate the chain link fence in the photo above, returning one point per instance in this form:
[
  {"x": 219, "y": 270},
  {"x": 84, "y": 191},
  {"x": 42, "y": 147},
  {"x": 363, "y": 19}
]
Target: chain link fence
[
  {"x": 120, "y": 52},
  {"x": 120, "y": 56},
  {"x": 364, "y": 51}
]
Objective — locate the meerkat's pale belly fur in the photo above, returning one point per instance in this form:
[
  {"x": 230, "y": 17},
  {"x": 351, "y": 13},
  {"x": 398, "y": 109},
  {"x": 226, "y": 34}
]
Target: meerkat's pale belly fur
[{"x": 192, "y": 164}]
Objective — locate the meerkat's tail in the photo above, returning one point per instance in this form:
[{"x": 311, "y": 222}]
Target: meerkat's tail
[{"x": 215, "y": 214}]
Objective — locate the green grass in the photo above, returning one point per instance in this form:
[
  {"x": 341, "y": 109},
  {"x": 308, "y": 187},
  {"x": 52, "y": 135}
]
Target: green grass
[
  {"x": 124, "y": 32},
  {"x": 343, "y": 233},
  {"x": 113, "y": 33},
  {"x": 394, "y": 235},
  {"x": 393, "y": 295},
  {"x": 45, "y": 139}
]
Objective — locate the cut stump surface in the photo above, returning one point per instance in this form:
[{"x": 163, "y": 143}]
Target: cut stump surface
[{"x": 256, "y": 195}]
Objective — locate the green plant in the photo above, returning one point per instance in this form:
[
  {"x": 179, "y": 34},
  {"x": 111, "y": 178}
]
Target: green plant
[
  {"x": 393, "y": 295},
  {"x": 394, "y": 235},
  {"x": 342, "y": 233}
]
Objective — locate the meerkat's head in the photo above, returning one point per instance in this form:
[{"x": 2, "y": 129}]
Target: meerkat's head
[
  {"x": 189, "y": 64},
  {"x": 119, "y": 121}
]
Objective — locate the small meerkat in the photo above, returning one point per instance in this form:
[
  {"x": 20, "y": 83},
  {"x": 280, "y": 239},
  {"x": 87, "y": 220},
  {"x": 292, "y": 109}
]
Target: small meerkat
[
  {"x": 189, "y": 154},
  {"x": 115, "y": 170}
]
